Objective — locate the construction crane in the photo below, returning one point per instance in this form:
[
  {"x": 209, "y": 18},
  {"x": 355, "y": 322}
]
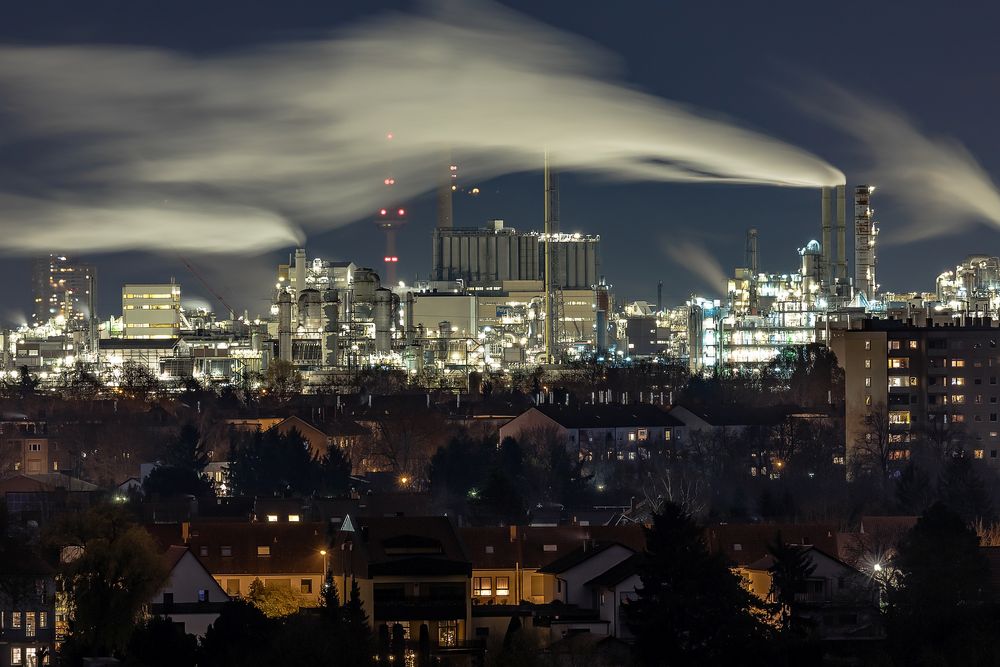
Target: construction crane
[{"x": 194, "y": 272}]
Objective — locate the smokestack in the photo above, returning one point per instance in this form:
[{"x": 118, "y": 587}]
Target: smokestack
[
  {"x": 841, "y": 233},
  {"x": 659, "y": 296},
  {"x": 551, "y": 219},
  {"x": 445, "y": 218},
  {"x": 285, "y": 326},
  {"x": 825, "y": 262},
  {"x": 300, "y": 270},
  {"x": 752, "y": 258}
]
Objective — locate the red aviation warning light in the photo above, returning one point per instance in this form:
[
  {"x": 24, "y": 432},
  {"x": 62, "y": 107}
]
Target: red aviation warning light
[{"x": 392, "y": 259}]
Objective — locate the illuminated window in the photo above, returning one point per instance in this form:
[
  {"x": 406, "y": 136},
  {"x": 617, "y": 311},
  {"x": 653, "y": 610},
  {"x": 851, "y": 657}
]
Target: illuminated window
[
  {"x": 868, "y": 382},
  {"x": 899, "y": 417},
  {"x": 271, "y": 518},
  {"x": 15, "y": 656},
  {"x": 958, "y": 363},
  {"x": 958, "y": 399},
  {"x": 913, "y": 345},
  {"x": 631, "y": 436},
  {"x": 957, "y": 382},
  {"x": 898, "y": 381},
  {"x": 913, "y": 381},
  {"x": 899, "y": 362},
  {"x": 15, "y": 620},
  {"x": 447, "y": 633},
  {"x": 293, "y": 518},
  {"x": 503, "y": 586},
  {"x": 868, "y": 363},
  {"x": 958, "y": 418},
  {"x": 893, "y": 344},
  {"x": 868, "y": 399},
  {"x": 482, "y": 586},
  {"x": 643, "y": 434},
  {"x": 977, "y": 453},
  {"x": 263, "y": 551},
  {"x": 868, "y": 345}
]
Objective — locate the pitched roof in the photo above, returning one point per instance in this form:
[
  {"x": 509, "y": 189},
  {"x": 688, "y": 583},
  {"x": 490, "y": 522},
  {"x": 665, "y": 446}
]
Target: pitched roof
[
  {"x": 173, "y": 555},
  {"x": 618, "y": 573},
  {"x": 291, "y": 547},
  {"x": 400, "y": 545},
  {"x": 533, "y": 547},
  {"x": 738, "y": 415},
  {"x": 604, "y": 415},
  {"x": 578, "y": 556},
  {"x": 745, "y": 543}
]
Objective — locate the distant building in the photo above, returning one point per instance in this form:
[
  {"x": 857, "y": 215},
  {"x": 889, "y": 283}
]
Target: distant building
[
  {"x": 411, "y": 571},
  {"x": 64, "y": 289},
  {"x": 602, "y": 432},
  {"x": 151, "y": 310},
  {"x": 28, "y": 610},
  {"x": 191, "y": 598},
  {"x": 936, "y": 382}
]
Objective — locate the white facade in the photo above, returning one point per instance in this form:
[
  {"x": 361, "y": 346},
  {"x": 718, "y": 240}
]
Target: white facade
[
  {"x": 151, "y": 310},
  {"x": 191, "y": 596}
]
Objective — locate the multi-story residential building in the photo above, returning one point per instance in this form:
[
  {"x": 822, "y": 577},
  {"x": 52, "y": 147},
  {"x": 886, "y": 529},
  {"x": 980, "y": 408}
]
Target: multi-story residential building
[
  {"x": 930, "y": 381},
  {"x": 27, "y": 612},
  {"x": 602, "y": 432},
  {"x": 151, "y": 311},
  {"x": 412, "y": 572},
  {"x": 25, "y": 446}
]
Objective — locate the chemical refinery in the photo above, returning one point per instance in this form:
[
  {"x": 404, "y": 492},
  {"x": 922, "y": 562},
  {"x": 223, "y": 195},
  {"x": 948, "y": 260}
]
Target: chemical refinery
[{"x": 496, "y": 299}]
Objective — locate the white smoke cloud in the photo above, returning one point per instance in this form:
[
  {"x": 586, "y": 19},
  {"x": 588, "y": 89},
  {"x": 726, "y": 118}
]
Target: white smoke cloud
[
  {"x": 695, "y": 258},
  {"x": 299, "y": 129},
  {"x": 937, "y": 181}
]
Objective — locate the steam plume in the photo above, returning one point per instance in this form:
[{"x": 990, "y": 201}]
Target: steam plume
[
  {"x": 938, "y": 182},
  {"x": 297, "y": 131},
  {"x": 696, "y": 259}
]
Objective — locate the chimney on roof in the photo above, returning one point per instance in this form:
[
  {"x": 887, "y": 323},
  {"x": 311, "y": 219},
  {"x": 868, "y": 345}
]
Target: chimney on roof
[
  {"x": 513, "y": 533},
  {"x": 185, "y": 532}
]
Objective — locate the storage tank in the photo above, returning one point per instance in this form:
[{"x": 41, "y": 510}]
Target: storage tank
[
  {"x": 310, "y": 309},
  {"x": 383, "y": 320}
]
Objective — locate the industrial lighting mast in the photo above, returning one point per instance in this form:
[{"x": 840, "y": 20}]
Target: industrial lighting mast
[
  {"x": 552, "y": 292},
  {"x": 389, "y": 219}
]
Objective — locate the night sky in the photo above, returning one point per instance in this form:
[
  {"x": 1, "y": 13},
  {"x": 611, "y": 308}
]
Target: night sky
[{"x": 738, "y": 59}]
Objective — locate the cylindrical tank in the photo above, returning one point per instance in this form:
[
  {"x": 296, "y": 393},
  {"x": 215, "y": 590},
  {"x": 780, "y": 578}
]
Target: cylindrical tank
[
  {"x": 331, "y": 305},
  {"x": 310, "y": 310},
  {"x": 285, "y": 326},
  {"x": 602, "y": 331},
  {"x": 811, "y": 263},
  {"x": 383, "y": 320}
]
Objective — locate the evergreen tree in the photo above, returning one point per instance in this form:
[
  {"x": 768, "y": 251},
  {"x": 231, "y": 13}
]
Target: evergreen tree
[
  {"x": 935, "y": 605},
  {"x": 963, "y": 491},
  {"x": 237, "y": 636},
  {"x": 359, "y": 649},
  {"x": 790, "y": 573},
  {"x": 914, "y": 492},
  {"x": 691, "y": 608}
]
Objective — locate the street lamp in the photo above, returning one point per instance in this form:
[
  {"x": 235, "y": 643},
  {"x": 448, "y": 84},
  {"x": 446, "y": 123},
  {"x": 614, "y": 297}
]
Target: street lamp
[{"x": 322, "y": 552}]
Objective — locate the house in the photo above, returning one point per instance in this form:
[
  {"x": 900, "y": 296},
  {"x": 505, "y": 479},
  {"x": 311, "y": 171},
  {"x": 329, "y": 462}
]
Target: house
[
  {"x": 744, "y": 543},
  {"x": 601, "y": 432},
  {"x": 613, "y": 589},
  {"x": 191, "y": 598},
  {"x": 317, "y": 439},
  {"x": 27, "y": 447},
  {"x": 574, "y": 570},
  {"x": 837, "y": 602},
  {"x": 27, "y": 610},
  {"x": 509, "y": 563},
  {"x": 279, "y": 554},
  {"x": 39, "y": 498},
  {"x": 412, "y": 572}
]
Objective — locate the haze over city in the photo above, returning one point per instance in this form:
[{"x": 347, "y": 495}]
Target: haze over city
[{"x": 499, "y": 334}]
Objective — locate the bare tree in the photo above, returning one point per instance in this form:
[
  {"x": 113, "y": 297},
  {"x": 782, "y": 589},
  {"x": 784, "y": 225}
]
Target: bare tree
[{"x": 874, "y": 449}]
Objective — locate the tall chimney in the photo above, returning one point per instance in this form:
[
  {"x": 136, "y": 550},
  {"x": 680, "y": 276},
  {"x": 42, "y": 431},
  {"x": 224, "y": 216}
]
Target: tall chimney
[
  {"x": 825, "y": 263},
  {"x": 841, "y": 233},
  {"x": 300, "y": 270},
  {"x": 445, "y": 219}
]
